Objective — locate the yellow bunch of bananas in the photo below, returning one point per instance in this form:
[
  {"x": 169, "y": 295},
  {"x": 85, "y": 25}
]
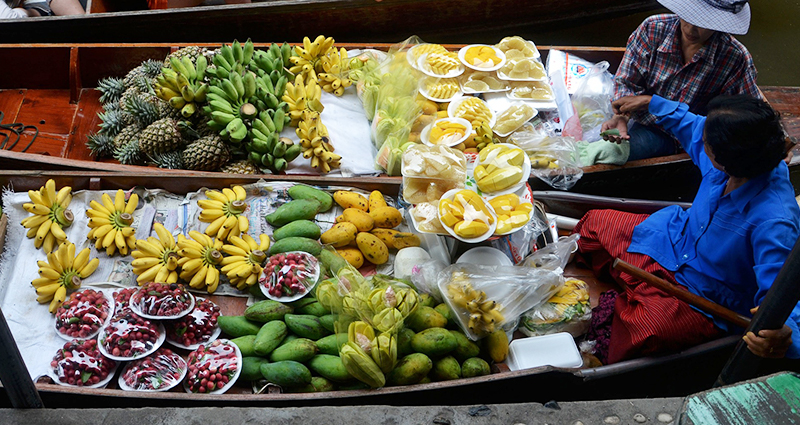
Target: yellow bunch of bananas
[
  {"x": 156, "y": 259},
  {"x": 245, "y": 259},
  {"x": 110, "y": 222},
  {"x": 301, "y": 96},
  {"x": 50, "y": 215},
  {"x": 315, "y": 142},
  {"x": 485, "y": 135},
  {"x": 335, "y": 65},
  {"x": 305, "y": 60},
  {"x": 484, "y": 314},
  {"x": 224, "y": 211},
  {"x": 199, "y": 259},
  {"x": 63, "y": 270}
]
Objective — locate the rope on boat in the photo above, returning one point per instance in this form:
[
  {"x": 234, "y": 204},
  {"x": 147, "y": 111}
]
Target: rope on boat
[{"x": 17, "y": 129}]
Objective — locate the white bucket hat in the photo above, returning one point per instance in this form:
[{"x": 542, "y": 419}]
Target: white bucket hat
[{"x": 731, "y": 16}]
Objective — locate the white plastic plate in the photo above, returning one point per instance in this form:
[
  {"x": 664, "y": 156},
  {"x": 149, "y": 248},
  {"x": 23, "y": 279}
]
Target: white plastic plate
[
  {"x": 455, "y": 103},
  {"x": 425, "y": 135},
  {"x": 107, "y": 294},
  {"x": 463, "y": 52},
  {"x": 124, "y": 385},
  {"x": 526, "y": 172},
  {"x": 233, "y": 379},
  {"x": 161, "y": 336},
  {"x": 450, "y": 194}
]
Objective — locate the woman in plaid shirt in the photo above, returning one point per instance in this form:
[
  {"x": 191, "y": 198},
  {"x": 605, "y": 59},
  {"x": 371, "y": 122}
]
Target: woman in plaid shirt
[{"x": 690, "y": 57}]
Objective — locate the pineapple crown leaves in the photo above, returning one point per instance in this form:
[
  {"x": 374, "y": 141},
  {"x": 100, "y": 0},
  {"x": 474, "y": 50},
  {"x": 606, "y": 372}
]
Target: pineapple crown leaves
[
  {"x": 113, "y": 121},
  {"x": 152, "y": 67},
  {"x": 111, "y": 89},
  {"x": 101, "y": 144},
  {"x": 129, "y": 153},
  {"x": 143, "y": 111},
  {"x": 170, "y": 160}
]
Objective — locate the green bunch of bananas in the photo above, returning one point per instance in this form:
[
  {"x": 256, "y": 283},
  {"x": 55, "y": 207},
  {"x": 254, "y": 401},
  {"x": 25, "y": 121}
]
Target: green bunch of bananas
[
  {"x": 266, "y": 147},
  {"x": 235, "y": 57},
  {"x": 273, "y": 59},
  {"x": 183, "y": 85}
]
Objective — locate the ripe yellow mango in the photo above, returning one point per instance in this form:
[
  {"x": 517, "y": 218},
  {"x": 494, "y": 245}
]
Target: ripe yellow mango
[
  {"x": 500, "y": 179},
  {"x": 470, "y": 229}
]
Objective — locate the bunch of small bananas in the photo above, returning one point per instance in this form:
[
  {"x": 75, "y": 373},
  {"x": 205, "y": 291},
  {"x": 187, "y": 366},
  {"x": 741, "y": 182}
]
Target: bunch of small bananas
[
  {"x": 156, "y": 259},
  {"x": 335, "y": 65},
  {"x": 63, "y": 270},
  {"x": 224, "y": 211},
  {"x": 233, "y": 58},
  {"x": 306, "y": 60},
  {"x": 182, "y": 85},
  {"x": 245, "y": 259},
  {"x": 484, "y": 315},
  {"x": 485, "y": 135},
  {"x": 50, "y": 215},
  {"x": 300, "y": 96},
  {"x": 315, "y": 142},
  {"x": 111, "y": 223},
  {"x": 199, "y": 257}
]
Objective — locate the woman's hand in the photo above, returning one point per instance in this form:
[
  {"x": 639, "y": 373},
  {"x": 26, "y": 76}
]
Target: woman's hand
[
  {"x": 769, "y": 343},
  {"x": 628, "y": 104},
  {"x": 619, "y": 123}
]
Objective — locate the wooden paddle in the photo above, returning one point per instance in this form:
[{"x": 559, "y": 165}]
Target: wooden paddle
[{"x": 707, "y": 306}]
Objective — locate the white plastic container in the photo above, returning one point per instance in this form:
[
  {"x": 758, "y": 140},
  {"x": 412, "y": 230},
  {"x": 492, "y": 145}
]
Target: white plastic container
[{"x": 558, "y": 350}]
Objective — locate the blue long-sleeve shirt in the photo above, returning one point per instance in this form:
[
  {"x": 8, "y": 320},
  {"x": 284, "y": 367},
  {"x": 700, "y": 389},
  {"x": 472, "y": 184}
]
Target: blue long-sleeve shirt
[{"x": 726, "y": 248}]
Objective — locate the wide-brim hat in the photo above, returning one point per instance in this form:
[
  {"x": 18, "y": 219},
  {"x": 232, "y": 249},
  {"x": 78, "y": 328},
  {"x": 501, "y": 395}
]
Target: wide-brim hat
[{"x": 731, "y": 16}]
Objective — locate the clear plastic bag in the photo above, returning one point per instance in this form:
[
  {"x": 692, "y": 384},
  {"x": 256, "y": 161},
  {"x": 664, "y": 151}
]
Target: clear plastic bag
[
  {"x": 555, "y": 255},
  {"x": 221, "y": 358},
  {"x": 430, "y": 171},
  {"x": 592, "y": 100},
  {"x": 485, "y": 298},
  {"x": 424, "y": 277},
  {"x": 80, "y": 363},
  {"x": 159, "y": 371},
  {"x": 556, "y": 161},
  {"x": 568, "y": 310}
]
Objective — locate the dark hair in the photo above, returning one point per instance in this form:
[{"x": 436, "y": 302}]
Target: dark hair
[{"x": 745, "y": 134}]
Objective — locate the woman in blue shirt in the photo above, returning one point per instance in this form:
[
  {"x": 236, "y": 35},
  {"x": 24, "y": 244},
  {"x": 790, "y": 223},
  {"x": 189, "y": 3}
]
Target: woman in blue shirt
[{"x": 728, "y": 247}]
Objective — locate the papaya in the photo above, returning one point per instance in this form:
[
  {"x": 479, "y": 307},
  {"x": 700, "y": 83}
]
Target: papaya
[
  {"x": 434, "y": 342},
  {"x": 300, "y": 350},
  {"x": 287, "y": 374},
  {"x": 448, "y": 314},
  {"x": 348, "y": 199},
  {"x": 364, "y": 222},
  {"x": 339, "y": 235},
  {"x": 266, "y": 311},
  {"x": 298, "y": 209},
  {"x": 301, "y": 191},
  {"x": 301, "y": 228},
  {"x": 296, "y": 243},
  {"x": 497, "y": 345},
  {"x": 329, "y": 367},
  {"x": 373, "y": 249},
  {"x": 236, "y": 326},
  {"x": 376, "y": 200},
  {"x": 269, "y": 337},
  {"x": 410, "y": 370},
  {"x": 385, "y": 235},
  {"x": 331, "y": 343},
  {"x": 404, "y": 341},
  {"x": 314, "y": 309},
  {"x": 386, "y": 217},
  {"x": 466, "y": 348},
  {"x": 251, "y": 368},
  {"x": 353, "y": 256},
  {"x": 305, "y": 326}
]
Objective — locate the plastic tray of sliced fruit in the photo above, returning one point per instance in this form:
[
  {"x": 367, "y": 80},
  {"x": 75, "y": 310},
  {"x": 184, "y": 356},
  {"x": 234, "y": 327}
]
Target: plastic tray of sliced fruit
[
  {"x": 482, "y": 82},
  {"x": 129, "y": 336},
  {"x": 159, "y": 371},
  {"x": 413, "y": 54},
  {"x": 213, "y": 368},
  {"x": 156, "y": 300},
  {"x": 444, "y": 65},
  {"x": 466, "y": 216},
  {"x": 525, "y": 69},
  {"x": 510, "y": 120},
  {"x": 440, "y": 90},
  {"x": 501, "y": 168},
  {"x": 197, "y": 327},
  {"x": 471, "y": 109},
  {"x": 446, "y": 132},
  {"x": 482, "y": 57},
  {"x": 79, "y": 363},
  {"x": 515, "y": 47},
  {"x": 539, "y": 91},
  {"x": 83, "y": 313}
]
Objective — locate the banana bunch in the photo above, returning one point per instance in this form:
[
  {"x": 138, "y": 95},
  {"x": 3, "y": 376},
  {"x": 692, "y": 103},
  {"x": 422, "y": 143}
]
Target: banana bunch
[
  {"x": 266, "y": 147},
  {"x": 336, "y": 67},
  {"x": 50, "y": 215},
  {"x": 110, "y": 222},
  {"x": 273, "y": 59},
  {"x": 199, "y": 259},
  {"x": 232, "y": 58},
  {"x": 245, "y": 259},
  {"x": 306, "y": 60},
  {"x": 63, "y": 270},
  {"x": 182, "y": 85},
  {"x": 156, "y": 259},
  {"x": 485, "y": 135},
  {"x": 224, "y": 211},
  {"x": 314, "y": 140},
  {"x": 301, "y": 96},
  {"x": 484, "y": 314}
]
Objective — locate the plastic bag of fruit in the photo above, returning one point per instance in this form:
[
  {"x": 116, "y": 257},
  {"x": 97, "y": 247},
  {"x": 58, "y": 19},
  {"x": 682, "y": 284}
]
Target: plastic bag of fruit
[
  {"x": 568, "y": 310},
  {"x": 80, "y": 363},
  {"x": 554, "y": 256},
  {"x": 487, "y": 298},
  {"x": 592, "y": 100},
  {"x": 556, "y": 161}
]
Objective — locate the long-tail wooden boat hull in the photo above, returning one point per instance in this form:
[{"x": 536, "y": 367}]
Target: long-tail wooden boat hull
[
  {"x": 441, "y": 21},
  {"x": 61, "y": 101},
  {"x": 678, "y": 374}
]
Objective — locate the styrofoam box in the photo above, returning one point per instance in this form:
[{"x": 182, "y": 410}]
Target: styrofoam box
[{"x": 556, "y": 349}]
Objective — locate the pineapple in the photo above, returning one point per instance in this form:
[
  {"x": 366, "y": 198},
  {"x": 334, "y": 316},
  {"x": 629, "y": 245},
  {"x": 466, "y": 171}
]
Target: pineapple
[
  {"x": 160, "y": 137},
  {"x": 129, "y": 154},
  {"x": 191, "y": 51},
  {"x": 113, "y": 121},
  {"x": 144, "y": 109},
  {"x": 241, "y": 167},
  {"x": 111, "y": 89},
  {"x": 206, "y": 154},
  {"x": 130, "y": 92},
  {"x": 170, "y": 160},
  {"x": 148, "y": 69},
  {"x": 101, "y": 144},
  {"x": 127, "y": 134}
]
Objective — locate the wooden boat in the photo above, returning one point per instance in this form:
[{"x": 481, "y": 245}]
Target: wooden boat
[
  {"x": 61, "y": 101},
  {"x": 678, "y": 374},
  {"x": 442, "y": 21}
]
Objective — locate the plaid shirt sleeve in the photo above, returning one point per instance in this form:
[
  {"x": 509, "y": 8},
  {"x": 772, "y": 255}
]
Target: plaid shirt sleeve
[{"x": 631, "y": 76}]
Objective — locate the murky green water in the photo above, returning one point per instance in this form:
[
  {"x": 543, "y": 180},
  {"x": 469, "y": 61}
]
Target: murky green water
[{"x": 774, "y": 38}]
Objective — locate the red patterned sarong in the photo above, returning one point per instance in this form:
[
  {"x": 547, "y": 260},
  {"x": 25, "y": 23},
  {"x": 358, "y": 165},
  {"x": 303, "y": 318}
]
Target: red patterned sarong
[{"x": 646, "y": 320}]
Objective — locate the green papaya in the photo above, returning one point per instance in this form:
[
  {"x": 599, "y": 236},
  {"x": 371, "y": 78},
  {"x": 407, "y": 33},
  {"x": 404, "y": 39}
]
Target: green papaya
[
  {"x": 270, "y": 337},
  {"x": 251, "y": 368},
  {"x": 446, "y": 369},
  {"x": 410, "y": 370},
  {"x": 299, "y": 209},
  {"x": 299, "y": 350},
  {"x": 246, "y": 344},
  {"x": 236, "y": 326},
  {"x": 404, "y": 342},
  {"x": 301, "y": 228},
  {"x": 445, "y": 311},
  {"x": 287, "y": 374},
  {"x": 434, "y": 342},
  {"x": 328, "y": 322},
  {"x": 305, "y": 325},
  {"x": 331, "y": 343},
  {"x": 330, "y": 367},
  {"x": 426, "y": 300},
  {"x": 301, "y": 191},
  {"x": 425, "y": 317},
  {"x": 296, "y": 243},
  {"x": 266, "y": 311}
]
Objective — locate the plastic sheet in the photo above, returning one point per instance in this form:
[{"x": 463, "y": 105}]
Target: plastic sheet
[
  {"x": 159, "y": 371},
  {"x": 555, "y": 255},
  {"x": 80, "y": 363},
  {"x": 289, "y": 276},
  {"x": 130, "y": 336},
  {"x": 556, "y": 161},
  {"x": 83, "y": 313},
  {"x": 213, "y": 368},
  {"x": 162, "y": 301}
]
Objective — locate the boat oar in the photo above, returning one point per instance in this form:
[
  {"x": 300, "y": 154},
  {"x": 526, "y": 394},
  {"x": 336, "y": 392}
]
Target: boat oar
[
  {"x": 14, "y": 375},
  {"x": 773, "y": 312},
  {"x": 703, "y": 304}
]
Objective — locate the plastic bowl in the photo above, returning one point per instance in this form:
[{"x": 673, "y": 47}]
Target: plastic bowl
[
  {"x": 526, "y": 172},
  {"x": 450, "y": 194},
  {"x": 486, "y": 256},
  {"x": 463, "y": 52},
  {"x": 426, "y": 132}
]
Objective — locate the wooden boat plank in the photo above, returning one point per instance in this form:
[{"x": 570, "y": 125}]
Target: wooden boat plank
[
  {"x": 10, "y": 102},
  {"x": 85, "y": 122}
]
